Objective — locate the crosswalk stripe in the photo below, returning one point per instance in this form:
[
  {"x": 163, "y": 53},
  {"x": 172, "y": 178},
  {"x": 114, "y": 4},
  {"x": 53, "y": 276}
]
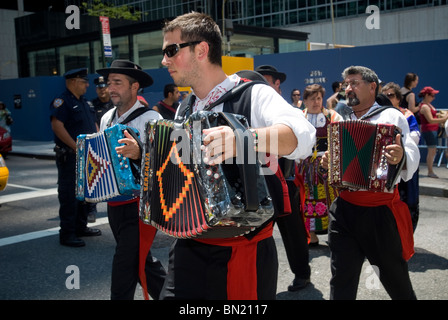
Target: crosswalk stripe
[{"x": 43, "y": 233}]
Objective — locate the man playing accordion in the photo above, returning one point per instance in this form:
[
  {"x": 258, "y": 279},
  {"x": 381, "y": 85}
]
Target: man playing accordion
[
  {"x": 243, "y": 267},
  {"x": 372, "y": 224}
]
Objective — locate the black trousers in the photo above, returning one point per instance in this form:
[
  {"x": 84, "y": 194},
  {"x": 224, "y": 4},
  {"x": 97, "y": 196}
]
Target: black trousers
[
  {"x": 356, "y": 233},
  {"x": 294, "y": 236},
  {"x": 124, "y": 222},
  {"x": 72, "y": 212},
  {"x": 198, "y": 271}
]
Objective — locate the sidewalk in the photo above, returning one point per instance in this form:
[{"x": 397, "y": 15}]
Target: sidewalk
[{"x": 428, "y": 186}]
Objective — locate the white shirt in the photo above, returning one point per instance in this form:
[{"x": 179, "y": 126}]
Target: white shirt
[
  {"x": 138, "y": 123},
  {"x": 268, "y": 108},
  {"x": 394, "y": 116}
]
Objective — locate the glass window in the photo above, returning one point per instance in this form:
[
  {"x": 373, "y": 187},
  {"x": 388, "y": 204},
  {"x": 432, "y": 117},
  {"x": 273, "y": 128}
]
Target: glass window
[
  {"x": 120, "y": 48},
  {"x": 73, "y": 57},
  {"x": 98, "y": 55},
  {"x": 43, "y": 63},
  {"x": 148, "y": 49},
  {"x": 286, "y": 45},
  {"x": 249, "y": 46}
]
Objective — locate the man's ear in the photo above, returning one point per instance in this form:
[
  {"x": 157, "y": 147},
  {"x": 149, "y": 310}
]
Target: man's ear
[
  {"x": 136, "y": 86},
  {"x": 202, "y": 50}
]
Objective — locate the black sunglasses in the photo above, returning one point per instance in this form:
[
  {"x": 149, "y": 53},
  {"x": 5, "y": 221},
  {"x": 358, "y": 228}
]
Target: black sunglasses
[{"x": 171, "y": 50}]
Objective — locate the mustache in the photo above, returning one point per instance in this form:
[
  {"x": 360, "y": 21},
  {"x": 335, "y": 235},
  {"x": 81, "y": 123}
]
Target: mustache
[{"x": 352, "y": 99}]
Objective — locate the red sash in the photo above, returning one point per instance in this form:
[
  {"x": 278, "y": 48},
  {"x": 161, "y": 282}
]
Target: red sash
[
  {"x": 298, "y": 181},
  {"x": 242, "y": 266},
  {"x": 147, "y": 234},
  {"x": 398, "y": 208}
]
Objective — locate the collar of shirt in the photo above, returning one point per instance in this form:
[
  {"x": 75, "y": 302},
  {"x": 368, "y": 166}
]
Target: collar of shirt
[
  {"x": 372, "y": 108},
  {"x": 127, "y": 113},
  {"x": 229, "y": 83}
]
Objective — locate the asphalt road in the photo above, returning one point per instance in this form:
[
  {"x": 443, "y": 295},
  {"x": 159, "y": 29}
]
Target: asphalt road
[{"x": 33, "y": 266}]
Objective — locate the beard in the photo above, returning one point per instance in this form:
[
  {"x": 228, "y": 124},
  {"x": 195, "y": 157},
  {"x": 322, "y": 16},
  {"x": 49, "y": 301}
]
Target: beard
[{"x": 352, "y": 100}]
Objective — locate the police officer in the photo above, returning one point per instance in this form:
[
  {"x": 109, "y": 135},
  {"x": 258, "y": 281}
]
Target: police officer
[
  {"x": 102, "y": 103},
  {"x": 71, "y": 115}
]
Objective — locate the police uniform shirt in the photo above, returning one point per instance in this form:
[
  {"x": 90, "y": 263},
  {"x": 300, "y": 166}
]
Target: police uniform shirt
[
  {"x": 101, "y": 108},
  {"x": 77, "y": 115}
]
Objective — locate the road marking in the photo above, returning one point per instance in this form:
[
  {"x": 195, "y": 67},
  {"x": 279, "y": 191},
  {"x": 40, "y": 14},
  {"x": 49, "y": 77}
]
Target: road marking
[
  {"x": 23, "y": 187},
  {"x": 43, "y": 233},
  {"x": 28, "y": 195}
]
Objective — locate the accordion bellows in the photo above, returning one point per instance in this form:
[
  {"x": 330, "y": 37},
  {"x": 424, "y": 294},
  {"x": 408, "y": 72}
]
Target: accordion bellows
[
  {"x": 357, "y": 155},
  {"x": 102, "y": 174},
  {"x": 184, "y": 197}
]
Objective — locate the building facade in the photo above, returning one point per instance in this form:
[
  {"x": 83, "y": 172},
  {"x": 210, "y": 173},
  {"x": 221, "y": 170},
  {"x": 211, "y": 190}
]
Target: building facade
[{"x": 44, "y": 46}]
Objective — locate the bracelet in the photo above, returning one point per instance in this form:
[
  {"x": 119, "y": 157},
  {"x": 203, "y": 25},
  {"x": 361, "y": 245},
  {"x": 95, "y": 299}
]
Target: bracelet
[{"x": 255, "y": 136}]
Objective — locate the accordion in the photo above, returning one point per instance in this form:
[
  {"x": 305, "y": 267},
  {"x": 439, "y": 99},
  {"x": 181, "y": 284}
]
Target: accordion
[
  {"x": 184, "y": 197},
  {"x": 357, "y": 157},
  {"x": 102, "y": 174}
]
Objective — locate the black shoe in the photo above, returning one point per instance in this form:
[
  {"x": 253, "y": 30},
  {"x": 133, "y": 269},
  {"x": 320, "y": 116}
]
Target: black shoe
[
  {"x": 298, "y": 284},
  {"x": 72, "y": 242},
  {"x": 89, "y": 232}
]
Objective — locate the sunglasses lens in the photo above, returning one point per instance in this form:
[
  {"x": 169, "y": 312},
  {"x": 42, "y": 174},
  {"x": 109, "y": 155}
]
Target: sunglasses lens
[{"x": 170, "y": 50}]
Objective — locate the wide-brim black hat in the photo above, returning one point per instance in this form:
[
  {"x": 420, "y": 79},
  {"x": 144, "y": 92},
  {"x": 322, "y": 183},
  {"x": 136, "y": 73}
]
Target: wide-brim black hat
[
  {"x": 128, "y": 68},
  {"x": 251, "y": 75},
  {"x": 270, "y": 70}
]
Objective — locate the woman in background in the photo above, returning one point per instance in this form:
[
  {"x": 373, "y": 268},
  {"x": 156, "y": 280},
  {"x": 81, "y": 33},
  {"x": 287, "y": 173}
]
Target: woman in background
[{"x": 318, "y": 193}]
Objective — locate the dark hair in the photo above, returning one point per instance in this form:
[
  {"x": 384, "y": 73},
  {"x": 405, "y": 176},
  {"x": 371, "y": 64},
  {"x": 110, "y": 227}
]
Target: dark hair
[
  {"x": 409, "y": 77},
  {"x": 168, "y": 88},
  {"x": 335, "y": 85},
  {"x": 366, "y": 74},
  {"x": 292, "y": 92},
  {"x": 197, "y": 26},
  {"x": 312, "y": 89},
  {"x": 395, "y": 87}
]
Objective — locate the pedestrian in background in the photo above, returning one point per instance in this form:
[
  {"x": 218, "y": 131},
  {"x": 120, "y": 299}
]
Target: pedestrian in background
[
  {"x": 430, "y": 123},
  {"x": 72, "y": 115},
  {"x": 168, "y": 106}
]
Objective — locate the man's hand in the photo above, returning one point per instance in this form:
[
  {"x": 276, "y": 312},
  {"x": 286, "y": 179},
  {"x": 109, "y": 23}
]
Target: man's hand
[
  {"x": 395, "y": 152},
  {"x": 130, "y": 149},
  {"x": 219, "y": 144},
  {"x": 324, "y": 161}
]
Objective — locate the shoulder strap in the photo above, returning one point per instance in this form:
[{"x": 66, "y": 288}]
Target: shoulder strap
[
  {"x": 185, "y": 107},
  {"x": 375, "y": 112},
  {"x": 129, "y": 118},
  {"x": 232, "y": 94},
  {"x": 136, "y": 113}
]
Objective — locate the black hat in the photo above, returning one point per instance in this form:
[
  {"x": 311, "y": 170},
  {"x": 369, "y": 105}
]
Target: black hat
[
  {"x": 270, "y": 70},
  {"x": 77, "y": 73},
  {"x": 251, "y": 75},
  {"x": 128, "y": 68},
  {"x": 100, "y": 82}
]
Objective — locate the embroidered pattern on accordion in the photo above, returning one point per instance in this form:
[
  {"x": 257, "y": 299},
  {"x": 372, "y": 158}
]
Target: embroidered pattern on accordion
[
  {"x": 184, "y": 197},
  {"x": 357, "y": 155},
  {"x": 102, "y": 175}
]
